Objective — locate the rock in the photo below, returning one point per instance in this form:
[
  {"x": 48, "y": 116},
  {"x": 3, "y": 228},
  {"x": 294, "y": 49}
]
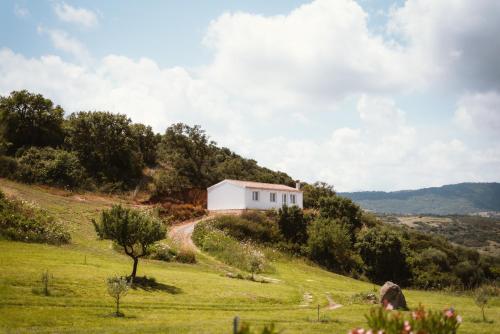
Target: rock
[{"x": 391, "y": 293}]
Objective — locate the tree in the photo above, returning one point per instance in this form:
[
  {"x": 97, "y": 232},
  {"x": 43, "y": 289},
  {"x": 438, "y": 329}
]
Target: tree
[
  {"x": 105, "y": 145},
  {"x": 292, "y": 224},
  {"x": 256, "y": 261},
  {"x": 329, "y": 244},
  {"x": 189, "y": 151},
  {"x": 343, "y": 209},
  {"x": 133, "y": 230},
  {"x": 28, "y": 119},
  {"x": 382, "y": 252},
  {"x": 481, "y": 298},
  {"x": 117, "y": 288},
  {"x": 313, "y": 192},
  {"x": 147, "y": 141}
]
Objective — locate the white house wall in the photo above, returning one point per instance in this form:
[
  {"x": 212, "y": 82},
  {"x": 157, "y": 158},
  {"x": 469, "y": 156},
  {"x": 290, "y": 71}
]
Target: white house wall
[
  {"x": 226, "y": 196},
  {"x": 264, "y": 202}
]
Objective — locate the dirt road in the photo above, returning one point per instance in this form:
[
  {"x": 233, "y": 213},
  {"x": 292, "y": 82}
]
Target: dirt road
[{"x": 182, "y": 233}]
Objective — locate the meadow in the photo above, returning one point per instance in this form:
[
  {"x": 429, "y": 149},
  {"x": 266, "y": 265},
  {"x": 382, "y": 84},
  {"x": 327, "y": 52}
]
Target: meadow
[{"x": 192, "y": 298}]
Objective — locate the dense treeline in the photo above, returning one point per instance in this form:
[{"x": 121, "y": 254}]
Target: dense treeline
[{"x": 105, "y": 151}]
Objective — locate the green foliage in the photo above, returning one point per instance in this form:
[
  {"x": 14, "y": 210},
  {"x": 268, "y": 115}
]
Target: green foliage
[
  {"x": 28, "y": 119},
  {"x": 105, "y": 145},
  {"x": 185, "y": 255},
  {"x": 147, "y": 141},
  {"x": 117, "y": 289},
  {"x": 330, "y": 245},
  {"x": 8, "y": 167},
  {"x": 382, "y": 252},
  {"x": 133, "y": 230},
  {"x": 243, "y": 256},
  {"x": 173, "y": 213},
  {"x": 313, "y": 192},
  {"x": 188, "y": 151},
  {"x": 51, "y": 166},
  {"x": 23, "y": 222},
  {"x": 343, "y": 209},
  {"x": 252, "y": 226},
  {"x": 292, "y": 224},
  {"x": 245, "y": 328},
  {"x": 384, "y": 321}
]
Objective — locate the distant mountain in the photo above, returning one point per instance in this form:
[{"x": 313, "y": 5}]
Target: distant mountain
[{"x": 462, "y": 198}]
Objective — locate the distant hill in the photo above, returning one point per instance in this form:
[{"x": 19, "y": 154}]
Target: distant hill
[{"x": 462, "y": 198}]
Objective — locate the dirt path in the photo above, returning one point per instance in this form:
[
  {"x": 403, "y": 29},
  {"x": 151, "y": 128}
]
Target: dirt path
[{"x": 182, "y": 233}]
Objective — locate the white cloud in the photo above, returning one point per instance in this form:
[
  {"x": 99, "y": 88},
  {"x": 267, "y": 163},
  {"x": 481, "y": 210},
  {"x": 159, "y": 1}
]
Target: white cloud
[
  {"x": 64, "y": 42},
  {"x": 479, "y": 113},
  {"x": 455, "y": 40},
  {"x": 275, "y": 81},
  {"x": 21, "y": 11},
  {"x": 80, "y": 16},
  {"x": 317, "y": 54}
]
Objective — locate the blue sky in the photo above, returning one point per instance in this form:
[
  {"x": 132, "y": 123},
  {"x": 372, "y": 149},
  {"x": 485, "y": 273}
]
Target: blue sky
[{"x": 366, "y": 95}]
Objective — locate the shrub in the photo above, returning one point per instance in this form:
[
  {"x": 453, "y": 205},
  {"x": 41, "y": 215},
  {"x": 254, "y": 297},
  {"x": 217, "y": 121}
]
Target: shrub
[
  {"x": 382, "y": 320},
  {"x": 179, "y": 212},
  {"x": 186, "y": 256},
  {"x": 330, "y": 245},
  {"x": 53, "y": 167},
  {"x": 161, "y": 252},
  {"x": 483, "y": 295},
  {"x": 23, "y": 222},
  {"x": 225, "y": 248},
  {"x": 8, "y": 167},
  {"x": 249, "y": 226},
  {"x": 382, "y": 252},
  {"x": 292, "y": 224},
  {"x": 117, "y": 289}
]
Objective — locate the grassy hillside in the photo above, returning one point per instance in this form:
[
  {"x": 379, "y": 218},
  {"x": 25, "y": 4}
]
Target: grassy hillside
[
  {"x": 193, "y": 299},
  {"x": 462, "y": 198}
]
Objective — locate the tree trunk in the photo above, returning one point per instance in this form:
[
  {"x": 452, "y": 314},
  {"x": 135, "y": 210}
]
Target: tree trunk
[
  {"x": 118, "y": 306},
  {"x": 134, "y": 270}
]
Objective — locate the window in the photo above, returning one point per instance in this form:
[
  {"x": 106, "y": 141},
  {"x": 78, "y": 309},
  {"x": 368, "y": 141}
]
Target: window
[
  {"x": 272, "y": 197},
  {"x": 292, "y": 199},
  {"x": 284, "y": 198},
  {"x": 255, "y": 195}
]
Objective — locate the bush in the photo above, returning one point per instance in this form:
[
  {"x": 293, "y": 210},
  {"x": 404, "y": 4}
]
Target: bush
[
  {"x": 225, "y": 248},
  {"x": 51, "y": 166},
  {"x": 160, "y": 252},
  {"x": 8, "y": 167},
  {"x": 174, "y": 213},
  {"x": 185, "y": 256},
  {"x": 249, "y": 226},
  {"x": 381, "y": 320},
  {"x": 330, "y": 245},
  {"x": 382, "y": 252},
  {"x": 22, "y": 222},
  {"x": 292, "y": 224}
]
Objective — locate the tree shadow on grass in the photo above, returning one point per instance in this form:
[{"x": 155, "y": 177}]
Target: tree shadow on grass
[{"x": 150, "y": 284}]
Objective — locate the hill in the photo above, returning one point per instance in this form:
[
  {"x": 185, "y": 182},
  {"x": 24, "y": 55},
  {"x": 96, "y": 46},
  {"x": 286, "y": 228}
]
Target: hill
[
  {"x": 197, "y": 298},
  {"x": 462, "y": 198}
]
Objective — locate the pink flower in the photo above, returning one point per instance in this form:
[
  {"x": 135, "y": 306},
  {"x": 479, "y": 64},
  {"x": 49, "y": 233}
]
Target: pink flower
[
  {"x": 357, "y": 331},
  {"x": 449, "y": 313},
  {"x": 389, "y": 307},
  {"x": 407, "y": 326}
]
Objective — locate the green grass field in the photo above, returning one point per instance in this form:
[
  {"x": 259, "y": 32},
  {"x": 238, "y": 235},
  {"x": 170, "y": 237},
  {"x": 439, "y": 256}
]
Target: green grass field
[{"x": 195, "y": 298}]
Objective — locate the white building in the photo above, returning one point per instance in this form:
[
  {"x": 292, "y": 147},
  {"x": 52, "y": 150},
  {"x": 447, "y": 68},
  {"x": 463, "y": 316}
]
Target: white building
[{"x": 240, "y": 195}]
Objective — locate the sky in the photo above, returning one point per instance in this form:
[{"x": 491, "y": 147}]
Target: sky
[{"x": 364, "y": 95}]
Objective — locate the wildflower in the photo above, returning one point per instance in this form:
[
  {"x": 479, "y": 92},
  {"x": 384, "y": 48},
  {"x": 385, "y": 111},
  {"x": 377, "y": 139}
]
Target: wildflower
[
  {"x": 459, "y": 319},
  {"x": 407, "y": 326},
  {"x": 449, "y": 313}
]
